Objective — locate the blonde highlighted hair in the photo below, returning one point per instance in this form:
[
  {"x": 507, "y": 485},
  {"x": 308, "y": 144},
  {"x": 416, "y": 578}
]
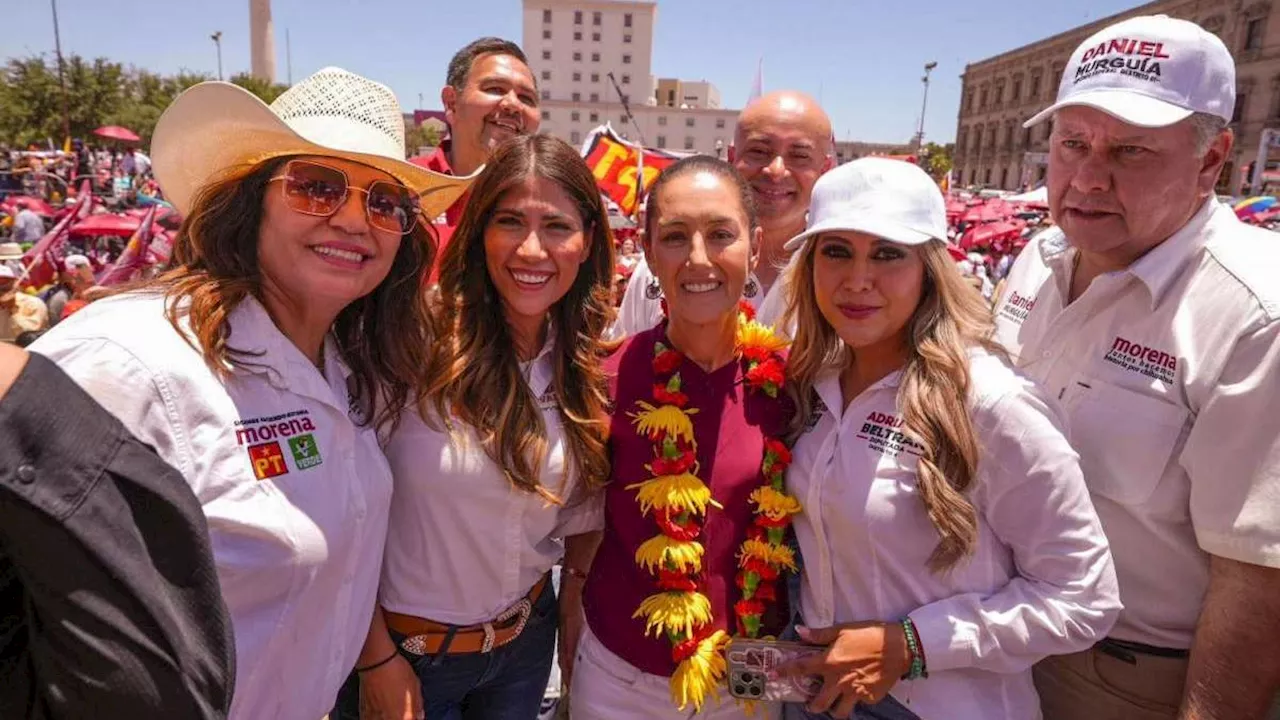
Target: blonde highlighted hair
[
  {"x": 950, "y": 320},
  {"x": 473, "y": 369}
]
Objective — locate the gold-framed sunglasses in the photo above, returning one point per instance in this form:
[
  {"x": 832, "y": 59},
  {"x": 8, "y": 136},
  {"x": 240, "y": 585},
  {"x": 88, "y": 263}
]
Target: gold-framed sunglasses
[{"x": 312, "y": 188}]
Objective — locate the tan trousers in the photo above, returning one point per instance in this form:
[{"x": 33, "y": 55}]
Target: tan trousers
[{"x": 1092, "y": 685}]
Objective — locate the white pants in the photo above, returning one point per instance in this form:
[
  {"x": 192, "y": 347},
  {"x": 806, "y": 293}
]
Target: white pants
[{"x": 606, "y": 687}]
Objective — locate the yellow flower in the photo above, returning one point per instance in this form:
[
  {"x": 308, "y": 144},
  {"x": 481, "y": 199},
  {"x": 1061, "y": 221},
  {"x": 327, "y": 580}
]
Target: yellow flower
[
  {"x": 776, "y": 555},
  {"x": 659, "y": 550},
  {"x": 754, "y": 334},
  {"x": 668, "y": 418},
  {"x": 678, "y": 493},
  {"x": 678, "y": 612},
  {"x": 700, "y": 674},
  {"x": 773, "y": 504}
]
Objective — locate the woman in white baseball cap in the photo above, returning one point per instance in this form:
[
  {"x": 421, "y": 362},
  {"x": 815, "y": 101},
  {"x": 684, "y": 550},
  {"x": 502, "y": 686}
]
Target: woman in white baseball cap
[
  {"x": 948, "y": 539},
  {"x": 252, "y": 366}
]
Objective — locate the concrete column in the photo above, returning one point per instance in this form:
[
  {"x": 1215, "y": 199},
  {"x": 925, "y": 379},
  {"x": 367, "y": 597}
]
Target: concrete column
[{"x": 262, "y": 47}]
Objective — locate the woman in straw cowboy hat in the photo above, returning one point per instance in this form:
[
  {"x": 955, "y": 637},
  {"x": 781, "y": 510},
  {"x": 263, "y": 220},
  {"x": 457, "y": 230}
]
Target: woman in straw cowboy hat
[{"x": 264, "y": 365}]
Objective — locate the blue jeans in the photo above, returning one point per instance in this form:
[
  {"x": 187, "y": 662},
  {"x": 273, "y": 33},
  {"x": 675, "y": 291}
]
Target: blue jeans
[
  {"x": 886, "y": 709},
  {"x": 506, "y": 684}
]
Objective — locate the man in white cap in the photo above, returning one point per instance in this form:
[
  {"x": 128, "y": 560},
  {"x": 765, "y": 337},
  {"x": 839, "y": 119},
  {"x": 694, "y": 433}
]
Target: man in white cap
[{"x": 1153, "y": 316}]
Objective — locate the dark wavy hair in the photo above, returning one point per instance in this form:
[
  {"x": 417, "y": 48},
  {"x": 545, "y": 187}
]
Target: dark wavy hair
[
  {"x": 473, "y": 373},
  {"x": 382, "y": 336}
]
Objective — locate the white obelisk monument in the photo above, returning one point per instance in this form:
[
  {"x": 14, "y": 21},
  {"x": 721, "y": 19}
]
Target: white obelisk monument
[{"x": 262, "y": 46}]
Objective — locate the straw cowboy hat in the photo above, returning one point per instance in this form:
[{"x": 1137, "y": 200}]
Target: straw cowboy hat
[
  {"x": 10, "y": 251},
  {"x": 216, "y": 126}
]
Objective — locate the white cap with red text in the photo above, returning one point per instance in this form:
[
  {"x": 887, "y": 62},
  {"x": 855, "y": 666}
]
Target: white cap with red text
[
  {"x": 890, "y": 199},
  {"x": 1150, "y": 71}
]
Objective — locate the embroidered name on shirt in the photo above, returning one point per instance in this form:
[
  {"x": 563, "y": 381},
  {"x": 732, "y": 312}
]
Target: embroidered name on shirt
[
  {"x": 268, "y": 461},
  {"x": 1017, "y": 308},
  {"x": 549, "y": 401},
  {"x": 1142, "y": 359},
  {"x": 881, "y": 432},
  {"x": 258, "y": 430}
]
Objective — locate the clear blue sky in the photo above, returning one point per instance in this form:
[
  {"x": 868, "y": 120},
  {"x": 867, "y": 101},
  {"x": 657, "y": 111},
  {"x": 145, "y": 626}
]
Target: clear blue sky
[{"x": 863, "y": 57}]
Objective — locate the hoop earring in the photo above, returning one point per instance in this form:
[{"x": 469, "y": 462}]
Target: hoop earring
[
  {"x": 652, "y": 290},
  {"x": 751, "y": 289}
]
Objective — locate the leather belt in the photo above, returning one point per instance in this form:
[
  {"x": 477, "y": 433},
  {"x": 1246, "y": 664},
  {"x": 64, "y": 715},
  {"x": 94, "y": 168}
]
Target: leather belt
[
  {"x": 427, "y": 637},
  {"x": 1126, "y": 651}
]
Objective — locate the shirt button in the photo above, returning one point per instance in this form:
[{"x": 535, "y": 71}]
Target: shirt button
[
  {"x": 26, "y": 474},
  {"x": 1046, "y": 354}
]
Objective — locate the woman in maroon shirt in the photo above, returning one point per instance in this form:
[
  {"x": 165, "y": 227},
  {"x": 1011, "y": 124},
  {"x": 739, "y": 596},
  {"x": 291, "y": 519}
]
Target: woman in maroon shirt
[{"x": 695, "y": 516}]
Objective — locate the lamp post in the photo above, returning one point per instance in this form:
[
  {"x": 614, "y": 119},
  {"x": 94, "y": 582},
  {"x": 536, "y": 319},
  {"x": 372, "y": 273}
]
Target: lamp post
[
  {"x": 928, "y": 68},
  {"x": 217, "y": 41},
  {"x": 62, "y": 82}
]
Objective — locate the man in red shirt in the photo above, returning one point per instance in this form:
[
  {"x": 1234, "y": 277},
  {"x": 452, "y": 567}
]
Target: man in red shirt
[{"x": 489, "y": 95}]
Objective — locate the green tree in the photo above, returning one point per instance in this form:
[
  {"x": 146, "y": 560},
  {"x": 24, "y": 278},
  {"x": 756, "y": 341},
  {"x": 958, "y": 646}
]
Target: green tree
[
  {"x": 420, "y": 136},
  {"x": 30, "y": 107},
  {"x": 938, "y": 158},
  {"x": 265, "y": 91}
]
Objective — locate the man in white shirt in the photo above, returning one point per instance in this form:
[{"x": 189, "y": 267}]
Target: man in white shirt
[
  {"x": 27, "y": 225},
  {"x": 782, "y": 145},
  {"x": 1153, "y": 316}
]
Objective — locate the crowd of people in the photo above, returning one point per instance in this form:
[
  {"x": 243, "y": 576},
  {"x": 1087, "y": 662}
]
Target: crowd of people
[{"x": 330, "y": 462}]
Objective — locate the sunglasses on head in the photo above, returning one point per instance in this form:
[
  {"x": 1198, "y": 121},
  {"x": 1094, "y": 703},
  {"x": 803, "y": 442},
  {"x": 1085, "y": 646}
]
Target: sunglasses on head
[{"x": 311, "y": 188}]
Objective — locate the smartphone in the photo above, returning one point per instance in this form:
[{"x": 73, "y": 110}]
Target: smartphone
[{"x": 749, "y": 664}]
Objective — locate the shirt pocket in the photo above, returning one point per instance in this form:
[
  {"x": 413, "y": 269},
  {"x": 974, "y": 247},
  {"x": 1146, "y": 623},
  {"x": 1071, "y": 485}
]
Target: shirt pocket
[{"x": 1125, "y": 439}]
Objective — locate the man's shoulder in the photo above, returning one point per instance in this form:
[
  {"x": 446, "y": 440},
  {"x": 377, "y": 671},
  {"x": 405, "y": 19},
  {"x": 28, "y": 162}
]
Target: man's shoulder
[{"x": 1251, "y": 257}]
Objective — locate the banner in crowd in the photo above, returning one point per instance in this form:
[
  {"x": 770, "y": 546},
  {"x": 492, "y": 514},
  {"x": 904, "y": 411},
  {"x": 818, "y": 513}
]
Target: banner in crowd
[
  {"x": 624, "y": 170},
  {"x": 136, "y": 256},
  {"x": 41, "y": 261}
]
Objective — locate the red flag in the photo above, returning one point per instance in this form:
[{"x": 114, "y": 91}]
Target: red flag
[
  {"x": 40, "y": 262},
  {"x": 135, "y": 255},
  {"x": 617, "y": 166}
]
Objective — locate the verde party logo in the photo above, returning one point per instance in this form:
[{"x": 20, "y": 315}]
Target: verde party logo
[{"x": 305, "y": 453}]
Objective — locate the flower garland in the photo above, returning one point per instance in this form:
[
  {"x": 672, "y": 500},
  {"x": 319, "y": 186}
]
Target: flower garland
[{"x": 678, "y": 500}]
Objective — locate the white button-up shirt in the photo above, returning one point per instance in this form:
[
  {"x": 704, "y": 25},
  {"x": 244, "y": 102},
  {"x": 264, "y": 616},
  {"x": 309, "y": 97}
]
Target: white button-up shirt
[
  {"x": 638, "y": 312},
  {"x": 465, "y": 544},
  {"x": 1169, "y": 373},
  {"x": 295, "y": 493},
  {"x": 1039, "y": 581}
]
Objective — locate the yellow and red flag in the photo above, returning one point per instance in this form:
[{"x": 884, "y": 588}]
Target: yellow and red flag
[{"x": 624, "y": 170}]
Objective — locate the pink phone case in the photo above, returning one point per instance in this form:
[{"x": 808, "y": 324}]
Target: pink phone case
[{"x": 750, "y": 662}]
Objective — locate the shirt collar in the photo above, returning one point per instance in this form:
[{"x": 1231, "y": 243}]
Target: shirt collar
[
  {"x": 827, "y": 385},
  {"x": 267, "y": 350},
  {"x": 1161, "y": 265},
  {"x": 540, "y": 371}
]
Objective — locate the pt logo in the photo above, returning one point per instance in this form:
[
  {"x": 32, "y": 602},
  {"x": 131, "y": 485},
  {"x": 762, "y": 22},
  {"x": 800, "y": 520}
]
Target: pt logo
[
  {"x": 267, "y": 460},
  {"x": 305, "y": 453}
]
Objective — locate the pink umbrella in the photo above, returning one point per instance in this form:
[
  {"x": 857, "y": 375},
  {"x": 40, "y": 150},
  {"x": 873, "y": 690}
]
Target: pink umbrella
[
  {"x": 983, "y": 213},
  {"x": 35, "y": 204},
  {"x": 984, "y": 235},
  {"x": 115, "y": 132},
  {"x": 106, "y": 224}
]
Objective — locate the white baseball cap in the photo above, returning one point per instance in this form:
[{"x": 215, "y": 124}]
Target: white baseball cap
[
  {"x": 7, "y": 272},
  {"x": 76, "y": 261},
  {"x": 1150, "y": 71},
  {"x": 891, "y": 199}
]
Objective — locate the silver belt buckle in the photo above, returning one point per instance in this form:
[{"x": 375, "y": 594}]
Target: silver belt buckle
[
  {"x": 416, "y": 644},
  {"x": 523, "y": 608},
  {"x": 488, "y": 638}
]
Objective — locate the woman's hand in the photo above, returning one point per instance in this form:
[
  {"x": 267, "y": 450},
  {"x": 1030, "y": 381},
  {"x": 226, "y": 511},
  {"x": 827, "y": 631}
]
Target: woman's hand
[
  {"x": 862, "y": 663},
  {"x": 391, "y": 692}
]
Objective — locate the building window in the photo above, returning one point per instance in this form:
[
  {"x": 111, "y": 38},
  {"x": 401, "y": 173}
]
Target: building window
[
  {"x": 577, "y": 97},
  {"x": 688, "y": 122},
  {"x": 688, "y": 143},
  {"x": 1238, "y": 114},
  {"x": 626, "y": 59},
  {"x": 626, "y": 79},
  {"x": 577, "y": 57},
  {"x": 662, "y": 141},
  {"x": 719, "y": 123},
  {"x": 595, "y": 77},
  {"x": 577, "y": 77},
  {"x": 1004, "y": 177},
  {"x": 626, "y": 38},
  {"x": 594, "y": 117},
  {"x": 595, "y": 37},
  {"x": 546, "y": 74},
  {"x": 546, "y": 94},
  {"x": 982, "y": 99},
  {"x": 1035, "y": 86},
  {"x": 577, "y": 17},
  {"x": 968, "y": 102},
  {"x": 577, "y": 36},
  {"x": 1026, "y": 137},
  {"x": 575, "y": 116},
  {"x": 626, "y": 20},
  {"x": 546, "y": 34},
  {"x": 595, "y": 57},
  {"x": 546, "y": 54},
  {"x": 662, "y": 121},
  {"x": 986, "y": 179},
  {"x": 595, "y": 19},
  {"x": 595, "y": 97},
  {"x": 546, "y": 16},
  {"x": 575, "y": 137},
  {"x": 1253, "y": 34},
  {"x": 546, "y": 114},
  {"x": 622, "y": 118},
  {"x": 1017, "y": 90}
]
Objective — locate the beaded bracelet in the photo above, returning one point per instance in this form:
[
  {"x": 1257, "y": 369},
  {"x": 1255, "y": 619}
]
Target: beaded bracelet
[
  {"x": 380, "y": 663},
  {"x": 916, "y": 650}
]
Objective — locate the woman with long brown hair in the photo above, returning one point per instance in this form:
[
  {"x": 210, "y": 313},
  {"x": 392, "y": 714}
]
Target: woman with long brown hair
[
  {"x": 496, "y": 464},
  {"x": 264, "y": 365},
  {"x": 948, "y": 540}
]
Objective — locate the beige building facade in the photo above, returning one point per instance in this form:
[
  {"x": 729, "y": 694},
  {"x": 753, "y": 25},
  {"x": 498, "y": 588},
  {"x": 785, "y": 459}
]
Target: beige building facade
[
  {"x": 574, "y": 45},
  {"x": 993, "y": 149}
]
